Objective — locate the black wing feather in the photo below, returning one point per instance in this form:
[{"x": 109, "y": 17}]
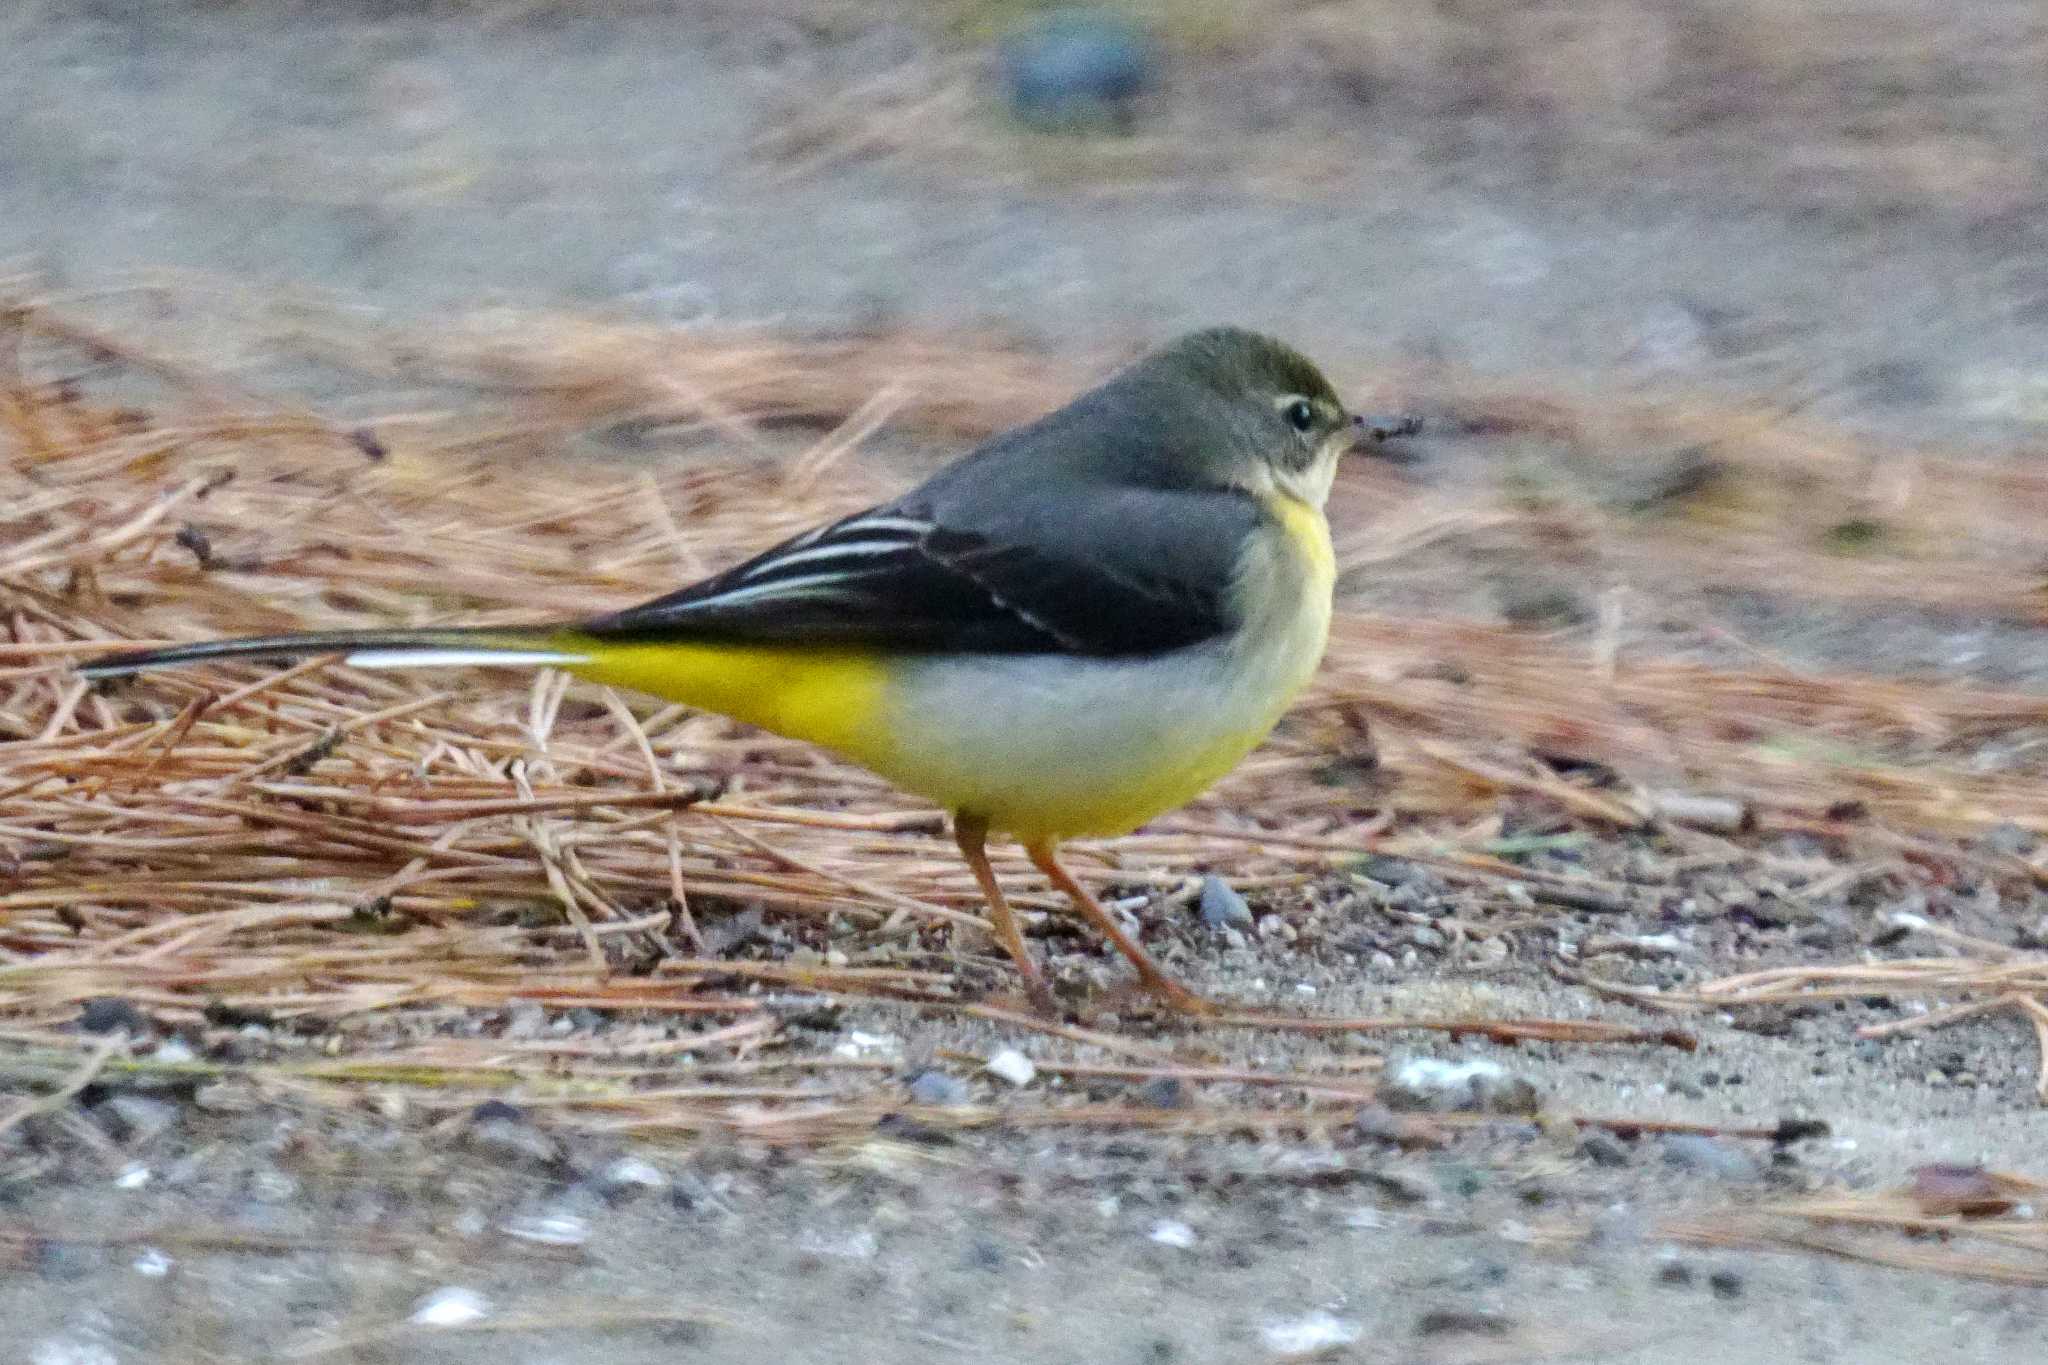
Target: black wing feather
[{"x": 902, "y": 578}]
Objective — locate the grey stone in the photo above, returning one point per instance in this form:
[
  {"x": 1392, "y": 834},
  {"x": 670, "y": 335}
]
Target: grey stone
[
  {"x": 1603, "y": 1150},
  {"x": 1222, "y": 907},
  {"x": 500, "y": 1130},
  {"x": 1710, "y": 1156},
  {"x": 938, "y": 1088},
  {"x": 630, "y": 1175},
  {"x": 1164, "y": 1092},
  {"x": 109, "y": 1013},
  {"x": 1077, "y": 69}
]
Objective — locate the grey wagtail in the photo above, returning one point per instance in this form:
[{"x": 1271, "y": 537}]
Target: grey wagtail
[{"x": 1081, "y": 624}]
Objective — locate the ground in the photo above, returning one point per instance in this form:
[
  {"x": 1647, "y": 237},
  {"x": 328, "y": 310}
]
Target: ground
[{"x": 1833, "y": 214}]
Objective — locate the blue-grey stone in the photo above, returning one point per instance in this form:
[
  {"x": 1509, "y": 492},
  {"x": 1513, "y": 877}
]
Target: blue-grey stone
[
  {"x": 1223, "y": 908},
  {"x": 936, "y": 1087},
  {"x": 1076, "y": 69}
]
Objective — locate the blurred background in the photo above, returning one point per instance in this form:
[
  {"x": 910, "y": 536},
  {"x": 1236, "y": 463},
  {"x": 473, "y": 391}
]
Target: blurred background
[{"x": 1838, "y": 204}]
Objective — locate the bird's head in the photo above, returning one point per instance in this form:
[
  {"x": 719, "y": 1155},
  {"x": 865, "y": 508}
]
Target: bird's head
[{"x": 1250, "y": 412}]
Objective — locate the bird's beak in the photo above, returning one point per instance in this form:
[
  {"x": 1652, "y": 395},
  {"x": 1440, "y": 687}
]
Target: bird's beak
[{"x": 1372, "y": 432}]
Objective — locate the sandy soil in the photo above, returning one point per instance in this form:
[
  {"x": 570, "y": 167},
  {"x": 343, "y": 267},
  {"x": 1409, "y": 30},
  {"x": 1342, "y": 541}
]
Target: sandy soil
[{"x": 1830, "y": 219}]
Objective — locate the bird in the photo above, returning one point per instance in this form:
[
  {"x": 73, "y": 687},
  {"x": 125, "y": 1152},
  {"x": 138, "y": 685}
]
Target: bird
[{"x": 1077, "y": 626}]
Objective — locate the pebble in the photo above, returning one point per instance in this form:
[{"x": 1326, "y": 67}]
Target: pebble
[
  {"x": 1458, "y": 1178},
  {"x": 939, "y": 1088},
  {"x": 1222, "y": 907},
  {"x": 1126, "y": 913},
  {"x": 133, "y": 1176},
  {"x": 501, "y": 1130},
  {"x": 1316, "y": 1334},
  {"x": 136, "y": 1119},
  {"x": 1952, "y": 1187},
  {"x": 1012, "y": 1066},
  {"x": 450, "y": 1306},
  {"x": 721, "y": 937},
  {"x": 174, "y": 1052},
  {"x": 1603, "y": 1150},
  {"x": 1077, "y": 68},
  {"x": 1710, "y": 1156},
  {"x": 692, "y": 1193},
  {"x": 1617, "y": 1225},
  {"x": 1471, "y": 1086},
  {"x": 1424, "y": 937},
  {"x": 1164, "y": 1092},
  {"x": 65, "y": 1261},
  {"x": 1403, "y": 1188},
  {"x": 1439, "y": 1322},
  {"x": 273, "y": 1186},
  {"x": 1392, "y": 871},
  {"x": 1169, "y": 1232},
  {"x": 630, "y": 1175},
  {"x": 225, "y": 1097},
  {"x": 110, "y": 1014},
  {"x": 550, "y": 1230},
  {"x": 1726, "y": 1284},
  {"x": 152, "y": 1264},
  {"x": 1535, "y": 604},
  {"x": 857, "y": 1045}
]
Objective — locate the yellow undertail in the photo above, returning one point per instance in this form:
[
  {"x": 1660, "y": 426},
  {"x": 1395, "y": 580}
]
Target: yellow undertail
[{"x": 831, "y": 698}]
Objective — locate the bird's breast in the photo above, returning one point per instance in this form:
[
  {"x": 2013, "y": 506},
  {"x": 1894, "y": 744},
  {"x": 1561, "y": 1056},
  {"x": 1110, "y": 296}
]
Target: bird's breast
[{"x": 1060, "y": 746}]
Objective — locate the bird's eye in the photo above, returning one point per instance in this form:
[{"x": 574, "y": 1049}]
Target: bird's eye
[{"x": 1300, "y": 414}]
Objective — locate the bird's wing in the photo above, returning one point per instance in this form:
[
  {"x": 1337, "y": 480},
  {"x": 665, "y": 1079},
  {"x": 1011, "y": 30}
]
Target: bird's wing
[{"x": 1115, "y": 572}]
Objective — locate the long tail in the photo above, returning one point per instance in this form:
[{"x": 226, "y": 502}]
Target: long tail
[
  {"x": 430, "y": 648},
  {"x": 828, "y": 696}
]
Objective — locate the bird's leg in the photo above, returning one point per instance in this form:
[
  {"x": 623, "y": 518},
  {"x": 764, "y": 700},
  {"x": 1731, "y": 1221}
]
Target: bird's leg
[
  {"x": 1153, "y": 976},
  {"x": 972, "y": 836}
]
